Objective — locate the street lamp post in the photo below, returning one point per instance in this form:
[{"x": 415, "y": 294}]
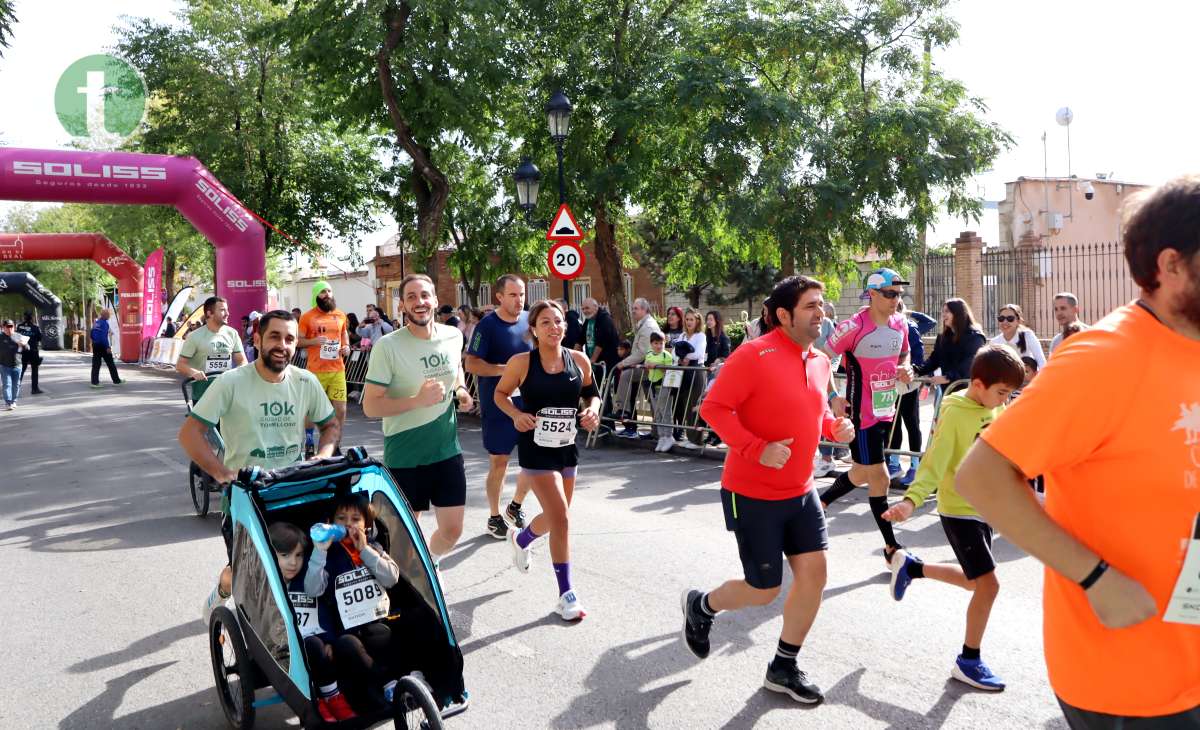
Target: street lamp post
[
  {"x": 558, "y": 114},
  {"x": 527, "y": 176}
]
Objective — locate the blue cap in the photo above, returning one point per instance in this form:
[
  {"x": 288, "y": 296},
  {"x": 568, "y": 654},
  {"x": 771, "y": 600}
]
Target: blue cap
[{"x": 879, "y": 278}]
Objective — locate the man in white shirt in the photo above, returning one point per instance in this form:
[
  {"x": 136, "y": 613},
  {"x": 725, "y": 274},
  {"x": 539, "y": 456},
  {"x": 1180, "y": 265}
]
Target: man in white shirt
[{"x": 1066, "y": 312}]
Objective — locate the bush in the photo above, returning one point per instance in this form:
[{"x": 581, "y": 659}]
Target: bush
[{"x": 737, "y": 333}]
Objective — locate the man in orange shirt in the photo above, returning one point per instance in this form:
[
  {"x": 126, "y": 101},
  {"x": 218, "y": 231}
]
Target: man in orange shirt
[
  {"x": 1120, "y": 532},
  {"x": 325, "y": 332}
]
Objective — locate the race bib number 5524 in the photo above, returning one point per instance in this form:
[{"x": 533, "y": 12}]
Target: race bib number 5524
[{"x": 555, "y": 427}]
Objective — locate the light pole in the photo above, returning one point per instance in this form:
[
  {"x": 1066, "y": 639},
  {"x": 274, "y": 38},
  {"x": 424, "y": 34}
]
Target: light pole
[{"x": 527, "y": 176}]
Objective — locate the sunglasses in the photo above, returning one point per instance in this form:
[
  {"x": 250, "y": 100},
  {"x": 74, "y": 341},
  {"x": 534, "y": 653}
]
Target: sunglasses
[
  {"x": 1006, "y": 318},
  {"x": 888, "y": 293}
]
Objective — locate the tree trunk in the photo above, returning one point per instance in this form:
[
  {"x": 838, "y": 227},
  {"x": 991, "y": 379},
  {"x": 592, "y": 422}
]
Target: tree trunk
[
  {"x": 429, "y": 184},
  {"x": 609, "y": 258},
  {"x": 169, "y": 262},
  {"x": 787, "y": 261}
]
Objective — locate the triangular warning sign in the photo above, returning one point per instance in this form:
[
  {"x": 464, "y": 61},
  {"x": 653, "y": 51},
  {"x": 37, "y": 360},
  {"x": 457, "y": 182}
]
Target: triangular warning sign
[{"x": 564, "y": 227}]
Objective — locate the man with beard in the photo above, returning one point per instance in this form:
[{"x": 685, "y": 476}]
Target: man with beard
[
  {"x": 1120, "y": 532},
  {"x": 325, "y": 331},
  {"x": 214, "y": 348},
  {"x": 769, "y": 404},
  {"x": 413, "y": 382},
  {"x": 261, "y": 409}
]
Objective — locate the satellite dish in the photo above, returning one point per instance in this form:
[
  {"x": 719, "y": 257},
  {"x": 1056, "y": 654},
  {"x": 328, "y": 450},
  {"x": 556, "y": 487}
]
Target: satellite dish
[{"x": 1064, "y": 116}]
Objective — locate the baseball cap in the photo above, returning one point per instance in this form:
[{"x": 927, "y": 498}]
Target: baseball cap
[{"x": 879, "y": 278}]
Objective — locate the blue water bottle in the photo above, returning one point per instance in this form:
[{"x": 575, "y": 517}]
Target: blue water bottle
[{"x": 323, "y": 531}]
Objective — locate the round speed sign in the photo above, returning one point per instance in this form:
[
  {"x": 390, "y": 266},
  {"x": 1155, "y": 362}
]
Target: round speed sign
[{"x": 566, "y": 260}]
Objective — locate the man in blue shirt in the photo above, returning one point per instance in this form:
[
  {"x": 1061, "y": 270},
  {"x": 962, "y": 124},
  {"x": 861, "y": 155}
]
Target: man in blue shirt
[
  {"x": 496, "y": 338},
  {"x": 102, "y": 350}
]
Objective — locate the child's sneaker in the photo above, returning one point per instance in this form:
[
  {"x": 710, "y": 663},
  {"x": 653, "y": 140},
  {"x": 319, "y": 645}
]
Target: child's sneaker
[
  {"x": 335, "y": 708},
  {"x": 975, "y": 673},
  {"x": 900, "y": 577}
]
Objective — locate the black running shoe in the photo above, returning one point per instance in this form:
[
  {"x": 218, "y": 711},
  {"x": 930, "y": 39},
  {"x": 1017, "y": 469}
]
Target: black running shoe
[
  {"x": 515, "y": 516},
  {"x": 696, "y": 624},
  {"x": 794, "y": 683},
  {"x": 497, "y": 528}
]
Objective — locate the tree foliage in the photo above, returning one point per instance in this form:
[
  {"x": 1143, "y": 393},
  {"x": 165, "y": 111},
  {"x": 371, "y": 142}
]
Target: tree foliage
[
  {"x": 224, "y": 90},
  {"x": 8, "y": 18}
]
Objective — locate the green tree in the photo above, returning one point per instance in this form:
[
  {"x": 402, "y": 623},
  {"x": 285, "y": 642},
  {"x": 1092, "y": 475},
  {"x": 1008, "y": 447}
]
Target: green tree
[
  {"x": 231, "y": 94},
  {"x": 435, "y": 74},
  {"x": 8, "y": 18}
]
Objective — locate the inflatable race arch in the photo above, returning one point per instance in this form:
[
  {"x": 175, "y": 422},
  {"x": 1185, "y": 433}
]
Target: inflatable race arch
[
  {"x": 127, "y": 272},
  {"x": 128, "y": 178},
  {"x": 45, "y": 303}
]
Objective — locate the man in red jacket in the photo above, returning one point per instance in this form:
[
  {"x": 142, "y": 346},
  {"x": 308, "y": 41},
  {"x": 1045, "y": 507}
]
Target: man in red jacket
[{"x": 768, "y": 405}]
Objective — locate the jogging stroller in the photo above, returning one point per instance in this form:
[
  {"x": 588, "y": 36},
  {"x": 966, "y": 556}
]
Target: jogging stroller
[
  {"x": 202, "y": 485},
  {"x": 256, "y": 643}
]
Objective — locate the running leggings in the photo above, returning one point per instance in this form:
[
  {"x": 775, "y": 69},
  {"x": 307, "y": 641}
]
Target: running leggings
[{"x": 909, "y": 411}]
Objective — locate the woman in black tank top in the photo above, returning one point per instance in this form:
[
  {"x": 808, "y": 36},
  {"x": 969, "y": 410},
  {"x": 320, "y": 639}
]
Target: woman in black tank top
[{"x": 552, "y": 381}]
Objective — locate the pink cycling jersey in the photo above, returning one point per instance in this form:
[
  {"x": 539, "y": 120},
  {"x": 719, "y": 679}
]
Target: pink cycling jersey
[{"x": 871, "y": 356}]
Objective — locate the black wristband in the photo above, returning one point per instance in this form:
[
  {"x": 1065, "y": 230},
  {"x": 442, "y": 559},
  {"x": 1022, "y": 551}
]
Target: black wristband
[{"x": 1094, "y": 576}]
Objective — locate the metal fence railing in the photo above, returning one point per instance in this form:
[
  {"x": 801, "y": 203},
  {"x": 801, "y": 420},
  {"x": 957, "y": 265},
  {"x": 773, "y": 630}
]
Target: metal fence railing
[{"x": 937, "y": 282}]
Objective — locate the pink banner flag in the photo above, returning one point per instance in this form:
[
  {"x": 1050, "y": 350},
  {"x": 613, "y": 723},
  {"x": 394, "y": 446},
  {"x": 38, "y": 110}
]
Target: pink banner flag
[{"x": 152, "y": 295}]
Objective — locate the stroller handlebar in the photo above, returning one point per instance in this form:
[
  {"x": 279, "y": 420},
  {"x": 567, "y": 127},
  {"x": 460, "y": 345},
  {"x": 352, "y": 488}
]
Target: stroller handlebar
[{"x": 253, "y": 477}]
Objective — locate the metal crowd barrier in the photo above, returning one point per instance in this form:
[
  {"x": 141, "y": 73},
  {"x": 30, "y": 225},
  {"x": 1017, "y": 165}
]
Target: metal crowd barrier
[
  {"x": 356, "y": 368},
  {"x": 676, "y": 407}
]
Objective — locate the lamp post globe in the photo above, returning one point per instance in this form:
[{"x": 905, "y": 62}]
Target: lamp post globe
[
  {"x": 558, "y": 113},
  {"x": 528, "y": 180}
]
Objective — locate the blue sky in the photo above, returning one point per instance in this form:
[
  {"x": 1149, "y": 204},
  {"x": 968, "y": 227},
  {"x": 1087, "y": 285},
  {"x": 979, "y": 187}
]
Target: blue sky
[{"x": 1121, "y": 68}]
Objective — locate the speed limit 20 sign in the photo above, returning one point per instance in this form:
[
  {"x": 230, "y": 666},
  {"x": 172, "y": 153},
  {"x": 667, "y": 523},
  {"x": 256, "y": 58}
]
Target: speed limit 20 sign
[{"x": 566, "y": 259}]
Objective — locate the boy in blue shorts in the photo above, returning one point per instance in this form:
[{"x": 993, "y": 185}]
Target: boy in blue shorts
[{"x": 995, "y": 373}]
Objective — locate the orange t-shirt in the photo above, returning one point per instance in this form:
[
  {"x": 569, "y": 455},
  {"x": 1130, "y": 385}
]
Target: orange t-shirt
[
  {"x": 333, "y": 325},
  {"x": 1107, "y": 421}
]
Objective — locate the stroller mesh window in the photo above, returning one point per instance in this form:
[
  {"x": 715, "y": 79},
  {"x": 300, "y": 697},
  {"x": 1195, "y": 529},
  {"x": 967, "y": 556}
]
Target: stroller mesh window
[
  {"x": 252, "y": 594},
  {"x": 403, "y": 551}
]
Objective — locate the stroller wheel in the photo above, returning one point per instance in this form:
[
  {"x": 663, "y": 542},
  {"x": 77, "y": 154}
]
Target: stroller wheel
[
  {"x": 200, "y": 495},
  {"x": 414, "y": 707},
  {"x": 232, "y": 669}
]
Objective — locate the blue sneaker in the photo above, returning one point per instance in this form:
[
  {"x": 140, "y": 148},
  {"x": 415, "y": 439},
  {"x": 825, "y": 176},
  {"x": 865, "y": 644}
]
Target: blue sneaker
[
  {"x": 909, "y": 476},
  {"x": 894, "y": 468},
  {"x": 900, "y": 578},
  {"x": 975, "y": 673}
]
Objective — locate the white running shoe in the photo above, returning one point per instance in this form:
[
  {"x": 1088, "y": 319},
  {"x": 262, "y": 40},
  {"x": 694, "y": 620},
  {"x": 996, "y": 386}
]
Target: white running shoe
[
  {"x": 823, "y": 466},
  {"x": 521, "y": 556},
  {"x": 665, "y": 444},
  {"x": 569, "y": 607},
  {"x": 688, "y": 444}
]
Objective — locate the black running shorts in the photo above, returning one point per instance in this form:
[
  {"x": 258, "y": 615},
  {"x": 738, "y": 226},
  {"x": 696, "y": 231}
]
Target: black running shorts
[
  {"x": 867, "y": 446},
  {"x": 766, "y": 530},
  {"x": 442, "y": 483},
  {"x": 971, "y": 541}
]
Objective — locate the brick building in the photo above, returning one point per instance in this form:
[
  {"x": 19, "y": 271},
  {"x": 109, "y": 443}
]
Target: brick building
[{"x": 387, "y": 267}]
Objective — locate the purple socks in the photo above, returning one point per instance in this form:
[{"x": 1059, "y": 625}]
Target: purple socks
[
  {"x": 525, "y": 537},
  {"x": 562, "y": 572}
]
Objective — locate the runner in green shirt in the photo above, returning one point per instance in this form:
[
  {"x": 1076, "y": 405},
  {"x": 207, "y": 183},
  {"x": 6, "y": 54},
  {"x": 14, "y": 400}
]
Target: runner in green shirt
[
  {"x": 414, "y": 379},
  {"x": 214, "y": 348},
  {"x": 261, "y": 408}
]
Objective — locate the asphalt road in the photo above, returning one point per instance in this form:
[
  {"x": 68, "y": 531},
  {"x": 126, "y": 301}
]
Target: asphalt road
[{"x": 106, "y": 566}]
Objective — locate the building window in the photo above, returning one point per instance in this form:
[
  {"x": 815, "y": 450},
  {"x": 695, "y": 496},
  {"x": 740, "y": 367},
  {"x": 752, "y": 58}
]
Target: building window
[
  {"x": 536, "y": 290},
  {"x": 580, "y": 289},
  {"x": 484, "y": 296}
]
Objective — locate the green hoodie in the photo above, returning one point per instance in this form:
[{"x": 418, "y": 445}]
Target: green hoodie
[{"x": 960, "y": 422}]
